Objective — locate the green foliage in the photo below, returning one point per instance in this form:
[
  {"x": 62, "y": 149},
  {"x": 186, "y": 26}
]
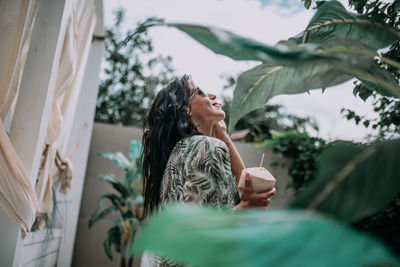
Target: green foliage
[
  {"x": 384, "y": 223},
  {"x": 264, "y": 122},
  {"x": 332, "y": 20},
  {"x": 254, "y": 238},
  {"x": 346, "y": 44},
  {"x": 388, "y": 121},
  {"x": 387, "y": 109},
  {"x": 127, "y": 201},
  {"x": 302, "y": 151},
  {"x": 351, "y": 184},
  {"x": 354, "y": 180},
  {"x": 131, "y": 74},
  {"x": 307, "y": 3},
  {"x": 236, "y": 47}
]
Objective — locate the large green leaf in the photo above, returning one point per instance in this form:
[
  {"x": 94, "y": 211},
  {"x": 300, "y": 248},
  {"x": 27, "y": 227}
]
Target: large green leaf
[
  {"x": 236, "y": 47},
  {"x": 259, "y": 84},
  {"x": 207, "y": 237},
  {"x": 117, "y": 158},
  {"x": 354, "y": 181},
  {"x": 353, "y": 59},
  {"x": 332, "y": 20}
]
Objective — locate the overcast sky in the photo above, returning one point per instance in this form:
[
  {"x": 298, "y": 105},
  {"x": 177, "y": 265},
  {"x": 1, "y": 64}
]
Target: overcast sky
[{"x": 267, "y": 23}]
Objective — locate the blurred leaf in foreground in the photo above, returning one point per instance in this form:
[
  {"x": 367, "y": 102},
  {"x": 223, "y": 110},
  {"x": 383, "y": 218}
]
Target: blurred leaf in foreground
[
  {"x": 354, "y": 181},
  {"x": 207, "y": 237}
]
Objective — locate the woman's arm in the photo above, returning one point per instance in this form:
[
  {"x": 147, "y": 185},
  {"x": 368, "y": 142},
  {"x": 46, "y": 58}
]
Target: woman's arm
[
  {"x": 248, "y": 198},
  {"x": 237, "y": 165}
]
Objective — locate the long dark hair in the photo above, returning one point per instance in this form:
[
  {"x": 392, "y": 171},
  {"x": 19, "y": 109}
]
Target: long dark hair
[{"x": 168, "y": 122}]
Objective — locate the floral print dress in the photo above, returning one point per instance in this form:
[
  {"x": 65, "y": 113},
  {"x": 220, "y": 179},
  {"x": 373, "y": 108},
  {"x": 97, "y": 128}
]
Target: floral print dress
[{"x": 198, "y": 171}]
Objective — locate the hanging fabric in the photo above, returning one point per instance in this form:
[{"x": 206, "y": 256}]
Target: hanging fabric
[
  {"x": 17, "y": 197},
  {"x": 56, "y": 167}
]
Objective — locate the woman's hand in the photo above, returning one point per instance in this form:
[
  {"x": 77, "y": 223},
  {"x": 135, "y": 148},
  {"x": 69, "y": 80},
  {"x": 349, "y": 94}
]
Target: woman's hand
[
  {"x": 250, "y": 199},
  {"x": 219, "y": 130}
]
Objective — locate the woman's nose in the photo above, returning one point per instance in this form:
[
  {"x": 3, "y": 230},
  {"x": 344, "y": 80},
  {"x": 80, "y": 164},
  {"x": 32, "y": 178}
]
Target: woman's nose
[{"x": 211, "y": 96}]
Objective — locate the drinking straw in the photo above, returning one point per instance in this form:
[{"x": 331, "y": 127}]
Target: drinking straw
[{"x": 262, "y": 159}]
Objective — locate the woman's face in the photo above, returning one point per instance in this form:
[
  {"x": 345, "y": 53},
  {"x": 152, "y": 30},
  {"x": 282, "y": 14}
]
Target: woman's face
[{"x": 204, "y": 107}]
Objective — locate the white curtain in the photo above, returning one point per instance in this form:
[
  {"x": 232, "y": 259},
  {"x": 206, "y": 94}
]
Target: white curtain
[
  {"x": 17, "y": 197},
  {"x": 56, "y": 166}
]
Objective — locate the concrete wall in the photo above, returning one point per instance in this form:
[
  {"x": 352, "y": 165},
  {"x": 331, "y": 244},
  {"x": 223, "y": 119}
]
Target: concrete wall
[{"x": 88, "y": 249}]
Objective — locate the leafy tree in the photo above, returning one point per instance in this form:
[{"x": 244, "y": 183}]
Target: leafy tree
[
  {"x": 302, "y": 150},
  {"x": 387, "y": 109},
  {"x": 132, "y": 73},
  {"x": 383, "y": 224}
]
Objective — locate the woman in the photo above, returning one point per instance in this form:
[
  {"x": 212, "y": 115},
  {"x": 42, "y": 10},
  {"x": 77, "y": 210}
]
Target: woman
[{"x": 183, "y": 163}]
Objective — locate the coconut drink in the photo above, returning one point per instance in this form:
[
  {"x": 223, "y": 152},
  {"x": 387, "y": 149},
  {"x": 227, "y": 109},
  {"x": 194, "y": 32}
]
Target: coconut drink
[{"x": 261, "y": 180}]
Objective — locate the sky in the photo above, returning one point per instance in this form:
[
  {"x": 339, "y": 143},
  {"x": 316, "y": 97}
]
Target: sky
[{"x": 263, "y": 21}]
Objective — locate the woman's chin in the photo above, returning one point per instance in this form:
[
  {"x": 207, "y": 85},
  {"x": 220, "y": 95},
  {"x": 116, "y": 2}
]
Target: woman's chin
[{"x": 221, "y": 115}]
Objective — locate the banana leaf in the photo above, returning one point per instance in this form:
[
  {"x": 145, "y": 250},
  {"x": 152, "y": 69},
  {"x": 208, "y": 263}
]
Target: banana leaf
[
  {"x": 332, "y": 20},
  {"x": 353, "y": 181},
  {"x": 205, "y": 237},
  {"x": 353, "y": 59},
  {"x": 239, "y": 48}
]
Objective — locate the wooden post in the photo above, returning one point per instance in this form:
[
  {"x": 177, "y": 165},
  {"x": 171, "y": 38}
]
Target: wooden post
[{"x": 32, "y": 111}]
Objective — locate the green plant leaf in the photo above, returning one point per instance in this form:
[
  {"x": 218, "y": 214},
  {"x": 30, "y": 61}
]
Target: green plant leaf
[
  {"x": 255, "y": 238},
  {"x": 116, "y": 184},
  {"x": 117, "y": 158},
  {"x": 307, "y": 3},
  {"x": 354, "y": 181},
  {"x": 387, "y": 84},
  {"x": 116, "y": 201},
  {"x": 236, "y": 47},
  {"x": 332, "y": 20},
  {"x": 259, "y": 84},
  {"x": 100, "y": 214},
  {"x": 135, "y": 149},
  {"x": 114, "y": 236}
]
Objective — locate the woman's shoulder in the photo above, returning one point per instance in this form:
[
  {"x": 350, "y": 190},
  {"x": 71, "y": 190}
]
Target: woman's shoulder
[{"x": 203, "y": 141}]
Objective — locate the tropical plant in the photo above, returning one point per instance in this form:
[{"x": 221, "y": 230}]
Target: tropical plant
[
  {"x": 387, "y": 109},
  {"x": 354, "y": 180},
  {"x": 382, "y": 224},
  {"x": 131, "y": 74},
  {"x": 126, "y": 201},
  {"x": 302, "y": 151}
]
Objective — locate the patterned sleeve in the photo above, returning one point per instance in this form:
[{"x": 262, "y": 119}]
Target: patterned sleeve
[
  {"x": 199, "y": 171},
  {"x": 208, "y": 178}
]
